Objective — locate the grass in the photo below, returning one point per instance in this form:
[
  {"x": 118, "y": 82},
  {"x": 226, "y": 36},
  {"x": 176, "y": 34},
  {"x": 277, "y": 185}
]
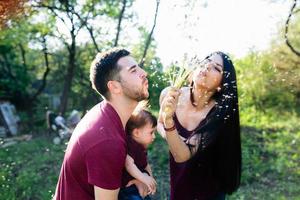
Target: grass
[
  {"x": 271, "y": 168},
  {"x": 29, "y": 170}
]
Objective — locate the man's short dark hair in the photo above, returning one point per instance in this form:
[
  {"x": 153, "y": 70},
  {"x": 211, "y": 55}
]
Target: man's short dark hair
[{"x": 104, "y": 68}]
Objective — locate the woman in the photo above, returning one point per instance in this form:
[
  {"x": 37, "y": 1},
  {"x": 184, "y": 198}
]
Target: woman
[{"x": 202, "y": 129}]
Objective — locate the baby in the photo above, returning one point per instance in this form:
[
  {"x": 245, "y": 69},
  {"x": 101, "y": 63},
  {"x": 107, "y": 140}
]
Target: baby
[{"x": 140, "y": 130}]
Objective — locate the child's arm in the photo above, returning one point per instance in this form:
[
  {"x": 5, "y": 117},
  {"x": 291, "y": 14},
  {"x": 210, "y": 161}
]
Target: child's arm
[
  {"x": 136, "y": 173},
  {"x": 148, "y": 169}
]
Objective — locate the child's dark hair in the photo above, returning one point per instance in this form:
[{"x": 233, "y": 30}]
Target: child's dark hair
[{"x": 140, "y": 119}]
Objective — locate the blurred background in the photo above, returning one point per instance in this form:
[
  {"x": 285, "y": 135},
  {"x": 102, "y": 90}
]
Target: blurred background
[{"x": 46, "y": 47}]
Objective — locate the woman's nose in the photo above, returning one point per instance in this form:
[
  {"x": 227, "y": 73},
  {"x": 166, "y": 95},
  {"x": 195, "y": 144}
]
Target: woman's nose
[{"x": 208, "y": 66}]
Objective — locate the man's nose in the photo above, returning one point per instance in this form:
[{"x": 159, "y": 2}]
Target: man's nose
[{"x": 143, "y": 74}]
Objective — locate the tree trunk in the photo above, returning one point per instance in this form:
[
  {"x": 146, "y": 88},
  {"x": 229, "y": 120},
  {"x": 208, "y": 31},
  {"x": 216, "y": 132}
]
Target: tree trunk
[
  {"x": 47, "y": 70},
  {"x": 148, "y": 41},
  {"x": 68, "y": 77}
]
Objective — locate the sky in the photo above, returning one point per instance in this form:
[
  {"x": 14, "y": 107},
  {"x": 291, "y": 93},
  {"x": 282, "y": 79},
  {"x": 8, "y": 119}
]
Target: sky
[{"x": 232, "y": 26}]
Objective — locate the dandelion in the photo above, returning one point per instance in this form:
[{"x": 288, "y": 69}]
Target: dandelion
[{"x": 179, "y": 75}]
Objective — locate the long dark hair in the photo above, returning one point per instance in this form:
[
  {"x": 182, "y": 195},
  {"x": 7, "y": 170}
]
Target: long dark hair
[{"x": 222, "y": 130}]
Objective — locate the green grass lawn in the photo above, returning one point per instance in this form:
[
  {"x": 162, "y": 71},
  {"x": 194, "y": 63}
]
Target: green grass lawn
[
  {"x": 29, "y": 170},
  {"x": 271, "y": 168}
]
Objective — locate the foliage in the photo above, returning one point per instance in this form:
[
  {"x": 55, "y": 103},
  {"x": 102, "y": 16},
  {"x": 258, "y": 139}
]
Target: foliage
[
  {"x": 269, "y": 101},
  {"x": 29, "y": 170},
  {"x": 271, "y": 167}
]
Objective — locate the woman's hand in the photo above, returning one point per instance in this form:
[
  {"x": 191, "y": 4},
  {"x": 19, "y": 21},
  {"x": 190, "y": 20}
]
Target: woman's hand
[{"x": 169, "y": 104}]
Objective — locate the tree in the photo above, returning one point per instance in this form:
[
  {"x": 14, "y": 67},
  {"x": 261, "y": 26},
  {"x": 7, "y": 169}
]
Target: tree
[
  {"x": 287, "y": 26},
  {"x": 14, "y": 64},
  {"x": 148, "y": 40}
]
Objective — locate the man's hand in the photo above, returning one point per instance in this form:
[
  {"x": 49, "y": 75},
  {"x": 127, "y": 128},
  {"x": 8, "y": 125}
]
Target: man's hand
[
  {"x": 142, "y": 188},
  {"x": 150, "y": 182}
]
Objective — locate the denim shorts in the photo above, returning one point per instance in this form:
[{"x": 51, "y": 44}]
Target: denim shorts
[
  {"x": 220, "y": 196},
  {"x": 131, "y": 193}
]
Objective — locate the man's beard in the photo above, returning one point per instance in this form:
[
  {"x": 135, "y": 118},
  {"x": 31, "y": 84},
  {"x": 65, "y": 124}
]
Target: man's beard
[{"x": 134, "y": 94}]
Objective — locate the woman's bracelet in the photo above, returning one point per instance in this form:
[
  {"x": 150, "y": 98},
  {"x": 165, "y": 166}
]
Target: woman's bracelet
[{"x": 169, "y": 129}]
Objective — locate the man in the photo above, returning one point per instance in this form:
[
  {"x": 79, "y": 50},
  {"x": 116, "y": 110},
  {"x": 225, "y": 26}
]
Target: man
[{"x": 95, "y": 156}]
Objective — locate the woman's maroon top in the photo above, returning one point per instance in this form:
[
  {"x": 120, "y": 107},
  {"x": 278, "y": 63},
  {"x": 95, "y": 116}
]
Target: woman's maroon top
[{"x": 194, "y": 179}]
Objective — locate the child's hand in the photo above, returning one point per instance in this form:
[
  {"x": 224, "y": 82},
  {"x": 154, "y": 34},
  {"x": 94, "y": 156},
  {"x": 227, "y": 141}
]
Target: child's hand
[{"x": 150, "y": 182}]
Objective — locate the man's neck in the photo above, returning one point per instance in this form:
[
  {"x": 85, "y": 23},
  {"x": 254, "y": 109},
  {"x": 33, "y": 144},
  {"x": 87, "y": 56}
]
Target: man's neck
[{"x": 124, "y": 108}]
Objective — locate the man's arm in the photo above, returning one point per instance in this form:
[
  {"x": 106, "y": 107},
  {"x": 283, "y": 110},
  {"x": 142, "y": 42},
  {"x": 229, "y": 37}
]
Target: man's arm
[
  {"x": 101, "y": 193},
  {"x": 105, "y": 163}
]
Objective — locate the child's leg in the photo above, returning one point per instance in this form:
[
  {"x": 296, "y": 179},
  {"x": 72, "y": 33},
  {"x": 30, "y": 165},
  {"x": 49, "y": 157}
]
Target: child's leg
[{"x": 147, "y": 197}]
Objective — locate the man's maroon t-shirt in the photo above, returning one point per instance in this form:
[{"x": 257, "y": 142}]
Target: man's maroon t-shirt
[
  {"x": 138, "y": 154},
  {"x": 95, "y": 155}
]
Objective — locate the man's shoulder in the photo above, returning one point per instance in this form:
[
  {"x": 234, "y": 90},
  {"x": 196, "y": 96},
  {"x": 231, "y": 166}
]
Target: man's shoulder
[
  {"x": 99, "y": 135},
  {"x": 96, "y": 119}
]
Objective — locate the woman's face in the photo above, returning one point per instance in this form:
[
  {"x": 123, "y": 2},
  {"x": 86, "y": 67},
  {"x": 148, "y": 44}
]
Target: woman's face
[{"x": 209, "y": 74}]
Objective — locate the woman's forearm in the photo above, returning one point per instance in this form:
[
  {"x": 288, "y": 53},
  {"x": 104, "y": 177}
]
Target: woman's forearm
[{"x": 177, "y": 147}]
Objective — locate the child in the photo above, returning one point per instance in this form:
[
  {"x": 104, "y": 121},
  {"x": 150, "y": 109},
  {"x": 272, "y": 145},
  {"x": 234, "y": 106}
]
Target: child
[{"x": 140, "y": 130}]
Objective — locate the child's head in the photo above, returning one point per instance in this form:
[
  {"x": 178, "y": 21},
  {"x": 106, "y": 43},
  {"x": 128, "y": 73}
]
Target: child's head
[{"x": 141, "y": 127}]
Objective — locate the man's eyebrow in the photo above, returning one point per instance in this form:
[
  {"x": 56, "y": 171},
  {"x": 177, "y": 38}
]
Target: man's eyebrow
[{"x": 132, "y": 67}]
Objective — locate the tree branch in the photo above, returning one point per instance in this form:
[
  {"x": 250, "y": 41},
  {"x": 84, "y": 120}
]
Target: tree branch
[
  {"x": 287, "y": 29},
  {"x": 90, "y": 29},
  {"x": 150, "y": 35},
  {"x": 119, "y": 23},
  {"x": 43, "y": 85},
  {"x": 23, "y": 57}
]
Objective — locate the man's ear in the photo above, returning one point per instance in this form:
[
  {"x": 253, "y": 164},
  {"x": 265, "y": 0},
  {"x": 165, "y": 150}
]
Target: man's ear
[{"x": 114, "y": 87}]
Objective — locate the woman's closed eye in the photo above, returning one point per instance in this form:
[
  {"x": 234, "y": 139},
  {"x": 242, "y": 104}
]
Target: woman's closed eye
[{"x": 218, "y": 69}]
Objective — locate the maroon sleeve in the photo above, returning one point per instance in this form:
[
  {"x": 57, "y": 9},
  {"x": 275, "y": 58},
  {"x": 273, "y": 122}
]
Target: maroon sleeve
[{"x": 105, "y": 162}]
